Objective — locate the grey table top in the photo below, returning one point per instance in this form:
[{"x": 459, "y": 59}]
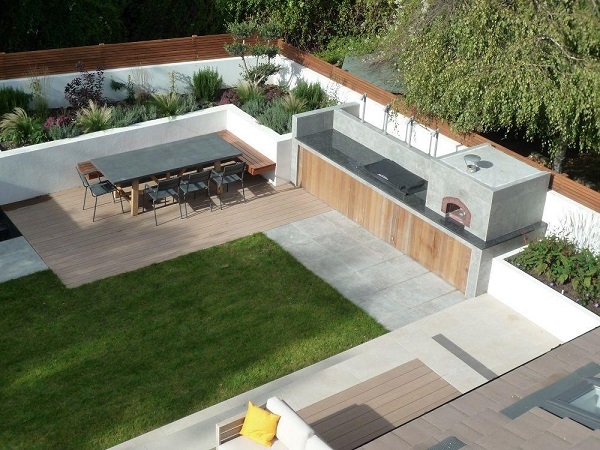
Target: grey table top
[{"x": 123, "y": 168}]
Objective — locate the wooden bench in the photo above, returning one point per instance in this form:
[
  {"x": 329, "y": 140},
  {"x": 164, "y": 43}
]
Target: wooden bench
[
  {"x": 256, "y": 162},
  {"x": 89, "y": 170}
]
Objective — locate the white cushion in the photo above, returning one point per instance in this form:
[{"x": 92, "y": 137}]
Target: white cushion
[
  {"x": 292, "y": 431},
  {"x": 243, "y": 443},
  {"x": 316, "y": 443}
]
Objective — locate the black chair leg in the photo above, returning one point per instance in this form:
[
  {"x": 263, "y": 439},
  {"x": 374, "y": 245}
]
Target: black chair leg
[
  {"x": 84, "y": 197},
  {"x": 95, "y": 204},
  {"x": 154, "y": 209}
]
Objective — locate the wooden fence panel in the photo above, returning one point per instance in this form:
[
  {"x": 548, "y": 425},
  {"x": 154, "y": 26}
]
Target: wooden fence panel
[{"x": 113, "y": 56}]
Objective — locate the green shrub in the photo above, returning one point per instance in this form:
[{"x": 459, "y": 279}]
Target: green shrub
[
  {"x": 247, "y": 91},
  {"x": 11, "y": 98},
  {"x": 276, "y": 118},
  {"x": 560, "y": 261},
  {"x": 314, "y": 96},
  {"x": 19, "y": 128},
  {"x": 339, "y": 47},
  {"x": 206, "y": 84},
  {"x": 166, "y": 104},
  {"x": 149, "y": 112},
  {"x": 586, "y": 278},
  {"x": 94, "y": 117},
  {"x": 188, "y": 104},
  {"x": 255, "y": 107},
  {"x": 68, "y": 130},
  {"x": 294, "y": 104},
  {"x": 125, "y": 116}
]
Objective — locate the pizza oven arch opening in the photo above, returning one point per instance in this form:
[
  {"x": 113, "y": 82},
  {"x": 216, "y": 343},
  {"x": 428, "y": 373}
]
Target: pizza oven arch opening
[{"x": 456, "y": 210}]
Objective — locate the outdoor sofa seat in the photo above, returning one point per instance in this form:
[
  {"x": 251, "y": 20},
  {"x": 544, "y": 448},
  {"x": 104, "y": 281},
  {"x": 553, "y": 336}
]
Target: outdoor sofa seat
[{"x": 292, "y": 432}]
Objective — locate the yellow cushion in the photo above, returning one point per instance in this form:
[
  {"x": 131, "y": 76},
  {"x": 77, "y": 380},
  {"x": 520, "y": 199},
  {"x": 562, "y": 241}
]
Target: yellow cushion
[{"x": 260, "y": 425}]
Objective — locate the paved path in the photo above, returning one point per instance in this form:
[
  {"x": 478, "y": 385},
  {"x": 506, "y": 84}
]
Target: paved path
[{"x": 387, "y": 284}]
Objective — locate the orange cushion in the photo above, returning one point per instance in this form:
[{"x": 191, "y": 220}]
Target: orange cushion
[{"x": 260, "y": 425}]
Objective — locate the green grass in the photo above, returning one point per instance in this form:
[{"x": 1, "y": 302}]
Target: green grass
[{"x": 93, "y": 366}]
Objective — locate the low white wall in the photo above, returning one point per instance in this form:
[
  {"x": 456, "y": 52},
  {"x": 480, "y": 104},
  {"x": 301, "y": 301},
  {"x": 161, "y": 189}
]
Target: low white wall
[
  {"x": 580, "y": 223},
  {"x": 274, "y": 146},
  {"x": 50, "y": 167},
  {"x": 539, "y": 303}
]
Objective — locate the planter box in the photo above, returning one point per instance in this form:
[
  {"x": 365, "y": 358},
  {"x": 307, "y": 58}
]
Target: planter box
[
  {"x": 46, "y": 168},
  {"x": 539, "y": 303}
]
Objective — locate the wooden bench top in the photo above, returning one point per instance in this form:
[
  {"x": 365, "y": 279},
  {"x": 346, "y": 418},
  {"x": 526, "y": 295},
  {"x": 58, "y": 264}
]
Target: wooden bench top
[
  {"x": 376, "y": 406},
  {"x": 256, "y": 162}
]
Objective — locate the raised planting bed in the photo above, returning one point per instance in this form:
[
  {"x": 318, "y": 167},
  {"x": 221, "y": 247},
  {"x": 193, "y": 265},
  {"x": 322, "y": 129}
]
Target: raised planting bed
[{"x": 537, "y": 301}]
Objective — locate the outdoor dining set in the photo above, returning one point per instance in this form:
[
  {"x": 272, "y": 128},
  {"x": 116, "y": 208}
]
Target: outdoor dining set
[{"x": 178, "y": 169}]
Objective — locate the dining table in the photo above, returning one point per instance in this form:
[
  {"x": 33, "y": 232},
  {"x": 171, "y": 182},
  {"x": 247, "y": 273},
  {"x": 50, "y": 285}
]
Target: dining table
[{"x": 130, "y": 168}]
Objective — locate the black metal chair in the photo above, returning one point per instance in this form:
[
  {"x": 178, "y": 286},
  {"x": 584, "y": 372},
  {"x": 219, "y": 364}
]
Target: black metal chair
[
  {"x": 162, "y": 191},
  {"x": 102, "y": 187},
  {"x": 229, "y": 174},
  {"x": 193, "y": 183}
]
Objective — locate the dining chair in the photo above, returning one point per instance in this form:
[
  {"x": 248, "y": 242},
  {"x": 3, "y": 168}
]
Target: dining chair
[
  {"x": 98, "y": 189},
  {"x": 194, "y": 182},
  {"x": 230, "y": 174},
  {"x": 162, "y": 191}
]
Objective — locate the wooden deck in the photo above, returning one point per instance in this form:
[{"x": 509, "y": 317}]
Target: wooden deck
[
  {"x": 374, "y": 407},
  {"x": 80, "y": 251}
]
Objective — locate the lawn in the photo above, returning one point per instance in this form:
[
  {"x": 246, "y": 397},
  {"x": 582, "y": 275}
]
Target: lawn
[{"x": 93, "y": 366}]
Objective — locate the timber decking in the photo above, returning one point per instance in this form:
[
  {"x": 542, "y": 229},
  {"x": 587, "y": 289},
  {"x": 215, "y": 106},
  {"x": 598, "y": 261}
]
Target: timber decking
[
  {"x": 374, "y": 407},
  {"x": 256, "y": 162},
  {"x": 80, "y": 251}
]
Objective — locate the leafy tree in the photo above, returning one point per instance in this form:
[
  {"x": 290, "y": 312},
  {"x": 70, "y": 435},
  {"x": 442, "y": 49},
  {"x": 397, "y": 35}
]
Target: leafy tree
[
  {"x": 310, "y": 24},
  {"x": 37, "y": 24},
  {"x": 264, "y": 50},
  {"x": 163, "y": 19},
  {"x": 526, "y": 68}
]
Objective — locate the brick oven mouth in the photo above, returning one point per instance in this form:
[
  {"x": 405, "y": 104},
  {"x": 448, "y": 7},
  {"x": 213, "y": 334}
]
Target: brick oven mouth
[{"x": 456, "y": 210}]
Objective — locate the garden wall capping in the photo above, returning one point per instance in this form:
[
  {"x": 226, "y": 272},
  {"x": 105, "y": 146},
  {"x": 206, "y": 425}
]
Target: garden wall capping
[
  {"x": 539, "y": 303},
  {"x": 49, "y": 167}
]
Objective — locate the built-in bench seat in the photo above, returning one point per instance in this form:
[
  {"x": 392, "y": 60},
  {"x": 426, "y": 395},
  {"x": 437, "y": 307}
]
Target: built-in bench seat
[{"x": 256, "y": 162}]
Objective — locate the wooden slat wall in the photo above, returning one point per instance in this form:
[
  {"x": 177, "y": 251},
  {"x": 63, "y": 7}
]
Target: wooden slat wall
[
  {"x": 112, "y": 56},
  {"x": 434, "y": 249},
  {"x": 560, "y": 183}
]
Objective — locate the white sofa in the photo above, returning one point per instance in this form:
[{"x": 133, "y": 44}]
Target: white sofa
[{"x": 292, "y": 432}]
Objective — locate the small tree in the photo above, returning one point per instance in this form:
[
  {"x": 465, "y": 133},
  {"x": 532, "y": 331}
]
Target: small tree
[{"x": 264, "y": 49}]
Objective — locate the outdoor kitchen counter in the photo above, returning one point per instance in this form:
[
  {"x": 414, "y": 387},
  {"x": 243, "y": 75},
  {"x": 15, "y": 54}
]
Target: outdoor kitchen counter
[{"x": 351, "y": 155}]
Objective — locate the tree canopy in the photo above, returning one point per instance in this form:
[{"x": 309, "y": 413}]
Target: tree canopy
[
  {"x": 526, "y": 68},
  {"x": 37, "y": 25}
]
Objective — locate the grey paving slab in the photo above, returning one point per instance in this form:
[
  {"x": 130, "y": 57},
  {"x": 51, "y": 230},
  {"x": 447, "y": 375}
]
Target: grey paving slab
[
  {"x": 18, "y": 258},
  {"x": 366, "y": 270}
]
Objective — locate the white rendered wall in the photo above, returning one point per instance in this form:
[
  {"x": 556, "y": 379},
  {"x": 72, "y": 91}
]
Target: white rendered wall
[
  {"x": 271, "y": 144},
  {"x": 374, "y": 114},
  {"x": 539, "y": 303},
  {"x": 581, "y": 223},
  {"x": 158, "y": 77}
]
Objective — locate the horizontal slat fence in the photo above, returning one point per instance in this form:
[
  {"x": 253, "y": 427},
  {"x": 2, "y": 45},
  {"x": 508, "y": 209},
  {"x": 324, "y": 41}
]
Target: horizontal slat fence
[
  {"x": 198, "y": 48},
  {"x": 113, "y": 56}
]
